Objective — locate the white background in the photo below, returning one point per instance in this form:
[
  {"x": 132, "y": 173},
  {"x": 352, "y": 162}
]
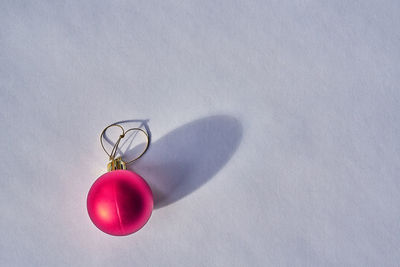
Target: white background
[{"x": 275, "y": 128}]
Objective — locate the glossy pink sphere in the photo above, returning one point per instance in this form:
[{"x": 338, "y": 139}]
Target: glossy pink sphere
[{"x": 120, "y": 202}]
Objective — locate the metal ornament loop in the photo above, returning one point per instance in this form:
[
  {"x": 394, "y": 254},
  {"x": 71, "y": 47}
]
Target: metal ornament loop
[
  {"x": 115, "y": 148},
  {"x": 147, "y": 143},
  {"x": 102, "y": 136}
]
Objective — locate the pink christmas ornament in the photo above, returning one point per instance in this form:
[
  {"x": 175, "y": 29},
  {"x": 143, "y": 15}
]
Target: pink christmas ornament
[{"x": 120, "y": 202}]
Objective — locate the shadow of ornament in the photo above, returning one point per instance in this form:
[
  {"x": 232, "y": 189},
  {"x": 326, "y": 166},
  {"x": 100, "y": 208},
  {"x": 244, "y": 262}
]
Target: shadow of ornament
[{"x": 186, "y": 158}]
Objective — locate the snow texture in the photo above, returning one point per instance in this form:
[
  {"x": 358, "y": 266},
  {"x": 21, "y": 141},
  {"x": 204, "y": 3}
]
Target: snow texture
[{"x": 275, "y": 130}]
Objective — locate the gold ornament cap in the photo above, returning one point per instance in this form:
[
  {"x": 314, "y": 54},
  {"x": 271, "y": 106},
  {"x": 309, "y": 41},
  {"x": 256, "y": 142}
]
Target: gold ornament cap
[{"x": 116, "y": 164}]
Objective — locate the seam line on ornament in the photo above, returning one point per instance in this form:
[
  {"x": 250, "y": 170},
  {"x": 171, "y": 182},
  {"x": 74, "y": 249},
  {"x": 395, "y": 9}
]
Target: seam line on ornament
[{"x": 117, "y": 208}]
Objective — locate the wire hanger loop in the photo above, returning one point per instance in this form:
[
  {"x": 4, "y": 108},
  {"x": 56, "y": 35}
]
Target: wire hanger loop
[{"x": 115, "y": 147}]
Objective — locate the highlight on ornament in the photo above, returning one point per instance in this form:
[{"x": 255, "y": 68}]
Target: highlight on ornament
[{"x": 120, "y": 202}]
